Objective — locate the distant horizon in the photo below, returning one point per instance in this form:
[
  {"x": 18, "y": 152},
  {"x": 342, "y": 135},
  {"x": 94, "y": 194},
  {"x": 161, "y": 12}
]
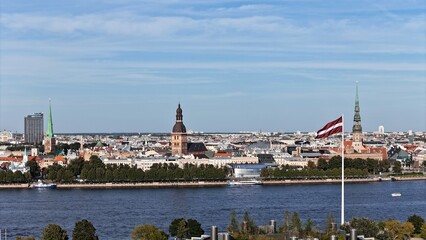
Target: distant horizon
[{"x": 114, "y": 66}]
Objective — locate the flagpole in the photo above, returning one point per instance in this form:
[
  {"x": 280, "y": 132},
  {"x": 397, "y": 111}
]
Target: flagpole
[{"x": 342, "y": 218}]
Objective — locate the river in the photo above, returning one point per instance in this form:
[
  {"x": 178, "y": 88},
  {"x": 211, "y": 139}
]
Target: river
[{"x": 115, "y": 212}]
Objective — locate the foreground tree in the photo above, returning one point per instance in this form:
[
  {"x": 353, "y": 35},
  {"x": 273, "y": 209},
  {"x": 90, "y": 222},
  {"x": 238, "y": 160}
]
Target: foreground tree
[
  {"x": 417, "y": 222},
  {"x": 54, "y": 232},
  {"x": 398, "y": 230},
  {"x": 233, "y": 225},
  {"x": 84, "y": 230},
  {"x": 182, "y": 228},
  {"x": 365, "y": 226},
  {"x": 423, "y": 232},
  {"x": 147, "y": 232}
]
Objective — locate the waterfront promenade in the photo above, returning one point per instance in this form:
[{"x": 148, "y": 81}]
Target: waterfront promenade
[{"x": 210, "y": 183}]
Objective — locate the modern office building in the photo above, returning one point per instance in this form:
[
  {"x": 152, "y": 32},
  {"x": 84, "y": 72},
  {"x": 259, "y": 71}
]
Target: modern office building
[{"x": 33, "y": 129}]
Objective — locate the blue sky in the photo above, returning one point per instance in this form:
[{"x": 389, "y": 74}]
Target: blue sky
[{"x": 122, "y": 66}]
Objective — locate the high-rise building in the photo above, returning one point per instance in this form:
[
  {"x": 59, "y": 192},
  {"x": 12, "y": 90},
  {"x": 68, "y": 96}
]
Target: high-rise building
[
  {"x": 33, "y": 128},
  {"x": 357, "y": 128},
  {"x": 381, "y": 130},
  {"x": 179, "y": 135},
  {"x": 49, "y": 140}
]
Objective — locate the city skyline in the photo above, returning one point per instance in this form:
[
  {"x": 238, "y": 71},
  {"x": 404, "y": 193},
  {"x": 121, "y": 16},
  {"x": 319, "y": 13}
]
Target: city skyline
[{"x": 233, "y": 65}]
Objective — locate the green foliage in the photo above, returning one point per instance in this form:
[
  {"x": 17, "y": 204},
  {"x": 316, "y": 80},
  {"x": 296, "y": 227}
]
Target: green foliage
[
  {"x": 365, "y": 226},
  {"x": 194, "y": 228},
  {"x": 417, "y": 222},
  {"x": 397, "y": 167},
  {"x": 248, "y": 225},
  {"x": 233, "y": 226},
  {"x": 147, "y": 232},
  {"x": 324, "y": 169},
  {"x": 423, "y": 231},
  {"x": 84, "y": 230},
  {"x": 296, "y": 225},
  {"x": 54, "y": 232},
  {"x": 34, "y": 168},
  {"x": 330, "y": 224},
  {"x": 398, "y": 230},
  {"x": 173, "y": 228},
  {"x": 182, "y": 228},
  {"x": 8, "y": 176}
]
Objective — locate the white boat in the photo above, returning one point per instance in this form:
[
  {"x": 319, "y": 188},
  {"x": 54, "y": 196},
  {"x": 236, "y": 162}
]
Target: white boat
[
  {"x": 244, "y": 182},
  {"x": 41, "y": 184},
  {"x": 396, "y": 194}
]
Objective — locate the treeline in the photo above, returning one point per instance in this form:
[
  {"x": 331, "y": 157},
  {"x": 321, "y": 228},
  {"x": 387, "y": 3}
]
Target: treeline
[
  {"x": 96, "y": 171},
  {"x": 287, "y": 172},
  {"x": 291, "y": 227},
  {"x": 7, "y": 176},
  {"x": 371, "y": 165},
  {"x": 329, "y": 169}
]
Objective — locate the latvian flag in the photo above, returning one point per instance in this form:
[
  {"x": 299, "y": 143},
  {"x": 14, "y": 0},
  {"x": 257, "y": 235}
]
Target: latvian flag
[{"x": 331, "y": 128}]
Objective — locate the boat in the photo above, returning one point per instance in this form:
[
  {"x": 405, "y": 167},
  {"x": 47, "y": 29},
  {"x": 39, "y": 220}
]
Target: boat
[
  {"x": 396, "y": 194},
  {"x": 41, "y": 184},
  {"x": 244, "y": 182}
]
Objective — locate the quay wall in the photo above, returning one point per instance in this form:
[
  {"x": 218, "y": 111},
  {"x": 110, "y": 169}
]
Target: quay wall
[{"x": 209, "y": 184}]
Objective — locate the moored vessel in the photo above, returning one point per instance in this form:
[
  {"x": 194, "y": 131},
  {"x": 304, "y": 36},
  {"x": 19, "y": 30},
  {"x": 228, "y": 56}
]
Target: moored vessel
[
  {"x": 41, "y": 184},
  {"x": 244, "y": 182}
]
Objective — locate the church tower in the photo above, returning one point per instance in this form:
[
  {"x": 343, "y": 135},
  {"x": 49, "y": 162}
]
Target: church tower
[
  {"x": 49, "y": 139},
  {"x": 179, "y": 136},
  {"x": 357, "y": 129}
]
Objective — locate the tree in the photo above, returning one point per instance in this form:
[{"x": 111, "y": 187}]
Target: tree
[
  {"x": 417, "y": 222},
  {"x": 147, "y": 232},
  {"x": 365, "y": 226},
  {"x": 296, "y": 225},
  {"x": 330, "y": 223},
  {"x": 194, "y": 228},
  {"x": 285, "y": 227},
  {"x": 182, "y": 228},
  {"x": 174, "y": 226},
  {"x": 309, "y": 230},
  {"x": 423, "y": 232},
  {"x": 322, "y": 164},
  {"x": 233, "y": 225},
  {"x": 84, "y": 230},
  {"x": 34, "y": 168},
  {"x": 397, "y": 167},
  {"x": 398, "y": 230},
  {"x": 54, "y": 232},
  {"x": 248, "y": 225}
]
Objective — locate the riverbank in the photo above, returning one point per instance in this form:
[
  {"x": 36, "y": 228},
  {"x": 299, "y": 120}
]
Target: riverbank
[{"x": 211, "y": 184}]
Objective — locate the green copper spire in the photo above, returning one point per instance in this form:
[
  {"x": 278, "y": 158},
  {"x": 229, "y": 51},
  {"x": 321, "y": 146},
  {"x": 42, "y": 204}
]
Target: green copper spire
[
  {"x": 357, "y": 117},
  {"x": 49, "y": 132}
]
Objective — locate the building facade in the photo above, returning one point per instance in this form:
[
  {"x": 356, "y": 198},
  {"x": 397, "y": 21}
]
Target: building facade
[
  {"x": 179, "y": 135},
  {"x": 33, "y": 128}
]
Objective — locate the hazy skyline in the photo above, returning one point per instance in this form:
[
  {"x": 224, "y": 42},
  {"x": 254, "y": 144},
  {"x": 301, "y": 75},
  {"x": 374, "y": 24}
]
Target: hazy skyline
[{"x": 123, "y": 66}]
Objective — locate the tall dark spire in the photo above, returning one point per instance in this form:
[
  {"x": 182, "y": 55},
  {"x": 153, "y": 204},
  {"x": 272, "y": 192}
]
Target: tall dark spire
[
  {"x": 49, "y": 132},
  {"x": 179, "y": 116},
  {"x": 357, "y": 117},
  {"x": 179, "y": 127}
]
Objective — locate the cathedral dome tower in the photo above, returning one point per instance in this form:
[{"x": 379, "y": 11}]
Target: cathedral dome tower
[{"x": 179, "y": 136}]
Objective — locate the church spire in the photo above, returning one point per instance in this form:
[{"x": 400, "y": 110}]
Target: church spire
[
  {"x": 49, "y": 132},
  {"x": 357, "y": 117}
]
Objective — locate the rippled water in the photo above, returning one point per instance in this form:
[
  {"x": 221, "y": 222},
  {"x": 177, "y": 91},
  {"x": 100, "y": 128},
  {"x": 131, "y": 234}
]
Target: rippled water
[{"x": 114, "y": 212}]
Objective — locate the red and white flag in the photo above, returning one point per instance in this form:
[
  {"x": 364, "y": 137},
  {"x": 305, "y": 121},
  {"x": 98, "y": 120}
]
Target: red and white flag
[{"x": 331, "y": 128}]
